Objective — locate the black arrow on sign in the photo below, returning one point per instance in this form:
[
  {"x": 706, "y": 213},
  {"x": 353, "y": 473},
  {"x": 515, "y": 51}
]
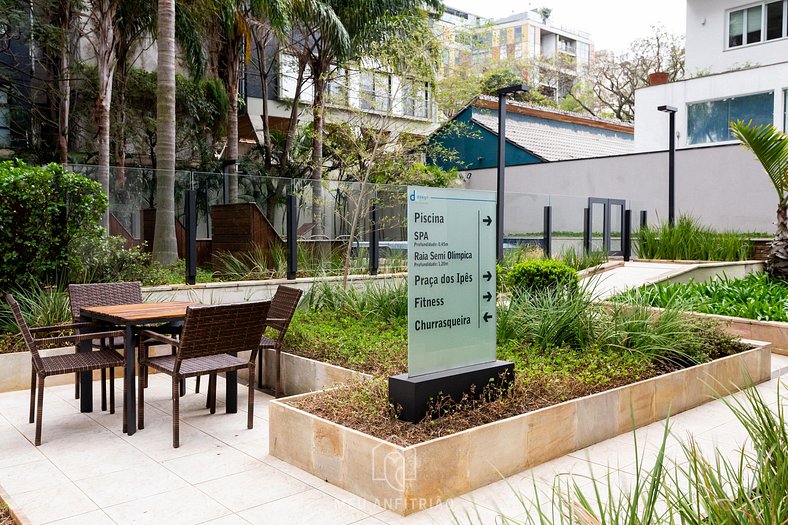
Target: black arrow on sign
[
  {"x": 487, "y": 317},
  {"x": 487, "y": 275},
  {"x": 487, "y": 296},
  {"x": 487, "y": 220}
]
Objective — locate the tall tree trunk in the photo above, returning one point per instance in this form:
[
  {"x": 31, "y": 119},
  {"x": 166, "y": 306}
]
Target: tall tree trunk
[
  {"x": 120, "y": 134},
  {"x": 165, "y": 248},
  {"x": 268, "y": 147},
  {"x": 64, "y": 88},
  {"x": 292, "y": 126},
  {"x": 231, "y": 156},
  {"x": 104, "y": 15},
  {"x": 318, "y": 109},
  {"x": 777, "y": 263}
]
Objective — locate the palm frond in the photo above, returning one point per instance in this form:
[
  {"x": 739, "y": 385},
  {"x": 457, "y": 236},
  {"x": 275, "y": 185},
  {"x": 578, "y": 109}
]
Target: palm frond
[{"x": 770, "y": 146}]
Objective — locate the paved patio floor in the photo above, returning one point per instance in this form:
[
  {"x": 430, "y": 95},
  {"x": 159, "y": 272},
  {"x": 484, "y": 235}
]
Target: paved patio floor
[{"x": 88, "y": 472}]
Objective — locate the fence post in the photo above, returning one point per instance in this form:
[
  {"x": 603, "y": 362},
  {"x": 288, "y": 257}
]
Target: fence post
[
  {"x": 191, "y": 236},
  {"x": 374, "y": 240},
  {"x": 587, "y": 230},
  {"x": 643, "y": 219},
  {"x": 626, "y": 235},
  {"x": 547, "y": 239},
  {"x": 292, "y": 240}
]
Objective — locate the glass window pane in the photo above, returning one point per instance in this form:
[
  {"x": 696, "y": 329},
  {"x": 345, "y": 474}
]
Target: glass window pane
[
  {"x": 736, "y": 29},
  {"x": 774, "y": 20},
  {"x": 754, "y": 24},
  {"x": 710, "y": 121}
]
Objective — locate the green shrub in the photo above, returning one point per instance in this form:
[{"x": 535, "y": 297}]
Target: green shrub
[
  {"x": 542, "y": 275},
  {"x": 41, "y": 306},
  {"x": 688, "y": 240},
  {"x": 41, "y": 210}
]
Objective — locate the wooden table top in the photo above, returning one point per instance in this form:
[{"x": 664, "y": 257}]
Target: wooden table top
[{"x": 138, "y": 313}]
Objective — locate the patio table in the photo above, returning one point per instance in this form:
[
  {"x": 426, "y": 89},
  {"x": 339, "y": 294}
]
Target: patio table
[{"x": 132, "y": 317}]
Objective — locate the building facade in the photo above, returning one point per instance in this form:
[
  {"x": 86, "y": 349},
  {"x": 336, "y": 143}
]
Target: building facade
[
  {"x": 562, "y": 54},
  {"x": 738, "y": 54}
]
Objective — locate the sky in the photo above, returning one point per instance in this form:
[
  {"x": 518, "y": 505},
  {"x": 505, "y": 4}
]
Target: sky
[{"x": 613, "y": 24}]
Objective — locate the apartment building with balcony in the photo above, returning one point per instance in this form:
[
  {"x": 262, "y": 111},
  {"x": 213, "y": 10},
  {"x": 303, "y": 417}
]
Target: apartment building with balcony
[{"x": 559, "y": 56}]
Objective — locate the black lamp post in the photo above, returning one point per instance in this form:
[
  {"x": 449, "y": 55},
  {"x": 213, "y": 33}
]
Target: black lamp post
[
  {"x": 499, "y": 196},
  {"x": 671, "y": 111}
]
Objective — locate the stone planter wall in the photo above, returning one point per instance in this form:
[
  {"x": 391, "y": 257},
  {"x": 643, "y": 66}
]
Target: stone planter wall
[{"x": 408, "y": 479}]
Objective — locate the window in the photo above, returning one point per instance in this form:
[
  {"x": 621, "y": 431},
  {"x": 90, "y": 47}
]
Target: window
[
  {"x": 758, "y": 23},
  {"x": 518, "y": 35},
  {"x": 710, "y": 121},
  {"x": 375, "y": 91},
  {"x": 5, "y": 120},
  {"x": 502, "y": 44},
  {"x": 785, "y": 110},
  {"x": 532, "y": 42},
  {"x": 774, "y": 20},
  {"x": 583, "y": 53},
  {"x": 338, "y": 87},
  {"x": 416, "y": 99}
]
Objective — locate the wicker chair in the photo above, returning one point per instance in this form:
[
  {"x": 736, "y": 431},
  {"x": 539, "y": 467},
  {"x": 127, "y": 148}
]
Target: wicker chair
[
  {"x": 283, "y": 306},
  {"x": 77, "y": 362},
  {"x": 210, "y": 335},
  {"x": 101, "y": 294}
]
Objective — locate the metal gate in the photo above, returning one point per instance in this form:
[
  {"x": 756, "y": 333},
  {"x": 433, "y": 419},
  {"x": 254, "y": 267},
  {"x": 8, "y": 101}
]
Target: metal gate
[{"x": 609, "y": 214}]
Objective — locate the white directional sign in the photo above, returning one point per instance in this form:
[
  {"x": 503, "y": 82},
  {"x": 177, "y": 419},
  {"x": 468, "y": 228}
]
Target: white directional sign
[{"x": 451, "y": 279}]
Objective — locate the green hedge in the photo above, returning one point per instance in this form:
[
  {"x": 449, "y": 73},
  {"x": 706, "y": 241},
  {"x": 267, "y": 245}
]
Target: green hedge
[
  {"x": 538, "y": 275},
  {"x": 41, "y": 210}
]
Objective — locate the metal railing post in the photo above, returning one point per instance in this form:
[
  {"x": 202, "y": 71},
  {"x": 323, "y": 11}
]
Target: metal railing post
[
  {"x": 292, "y": 240},
  {"x": 626, "y": 235},
  {"x": 547, "y": 238},
  {"x": 191, "y": 236},
  {"x": 374, "y": 240},
  {"x": 587, "y": 230}
]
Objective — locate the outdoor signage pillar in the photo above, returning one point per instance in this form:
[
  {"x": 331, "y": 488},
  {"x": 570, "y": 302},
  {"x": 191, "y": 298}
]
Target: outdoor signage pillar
[
  {"x": 451, "y": 299},
  {"x": 292, "y": 237}
]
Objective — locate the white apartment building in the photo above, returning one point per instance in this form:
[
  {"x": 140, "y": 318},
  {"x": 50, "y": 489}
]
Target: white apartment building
[{"x": 737, "y": 54}]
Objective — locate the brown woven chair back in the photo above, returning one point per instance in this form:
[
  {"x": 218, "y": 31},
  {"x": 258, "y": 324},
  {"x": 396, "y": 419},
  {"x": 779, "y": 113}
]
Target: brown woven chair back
[
  {"x": 20, "y": 320},
  {"x": 103, "y": 294},
  {"x": 283, "y": 306},
  {"x": 212, "y": 330}
]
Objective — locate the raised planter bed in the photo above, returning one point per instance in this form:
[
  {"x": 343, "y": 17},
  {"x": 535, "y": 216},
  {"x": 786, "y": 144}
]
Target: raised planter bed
[
  {"x": 299, "y": 374},
  {"x": 406, "y": 479}
]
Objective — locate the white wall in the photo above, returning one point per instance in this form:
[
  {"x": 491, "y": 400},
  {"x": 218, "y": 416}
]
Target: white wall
[
  {"x": 706, "y": 40},
  {"x": 651, "y": 126},
  {"x": 723, "y": 186}
]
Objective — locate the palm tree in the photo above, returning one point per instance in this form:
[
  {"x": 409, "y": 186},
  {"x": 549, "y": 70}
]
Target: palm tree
[
  {"x": 770, "y": 147},
  {"x": 235, "y": 34},
  {"x": 165, "y": 247}
]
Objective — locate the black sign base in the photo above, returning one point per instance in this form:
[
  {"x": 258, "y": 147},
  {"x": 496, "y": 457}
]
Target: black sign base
[{"x": 413, "y": 394}]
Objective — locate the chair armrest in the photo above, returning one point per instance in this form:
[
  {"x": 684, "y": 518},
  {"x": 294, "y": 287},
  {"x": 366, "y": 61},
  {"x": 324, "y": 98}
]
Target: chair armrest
[
  {"x": 61, "y": 327},
  {"x": 148, "y": 334},
  {"x": 75, "y": 338}
]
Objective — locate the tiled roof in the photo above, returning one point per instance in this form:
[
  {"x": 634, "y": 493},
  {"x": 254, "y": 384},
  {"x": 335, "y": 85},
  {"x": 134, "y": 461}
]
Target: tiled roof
[
  {"x": 553, "y": 143},
  {"x": 513, "y": 105}
]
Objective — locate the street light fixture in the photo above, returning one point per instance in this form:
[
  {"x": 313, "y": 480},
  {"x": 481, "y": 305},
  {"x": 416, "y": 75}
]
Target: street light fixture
[
  {"x": 499, "y": 196},
  {"x": 671, "y": 111}
]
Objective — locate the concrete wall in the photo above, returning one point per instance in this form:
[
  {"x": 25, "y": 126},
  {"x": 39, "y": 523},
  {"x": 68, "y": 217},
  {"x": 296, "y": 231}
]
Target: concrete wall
[
  {"x": 723, "y": 186},
  {"x": 707, "y": 46},
  {"x": 651, "y": 126}
]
